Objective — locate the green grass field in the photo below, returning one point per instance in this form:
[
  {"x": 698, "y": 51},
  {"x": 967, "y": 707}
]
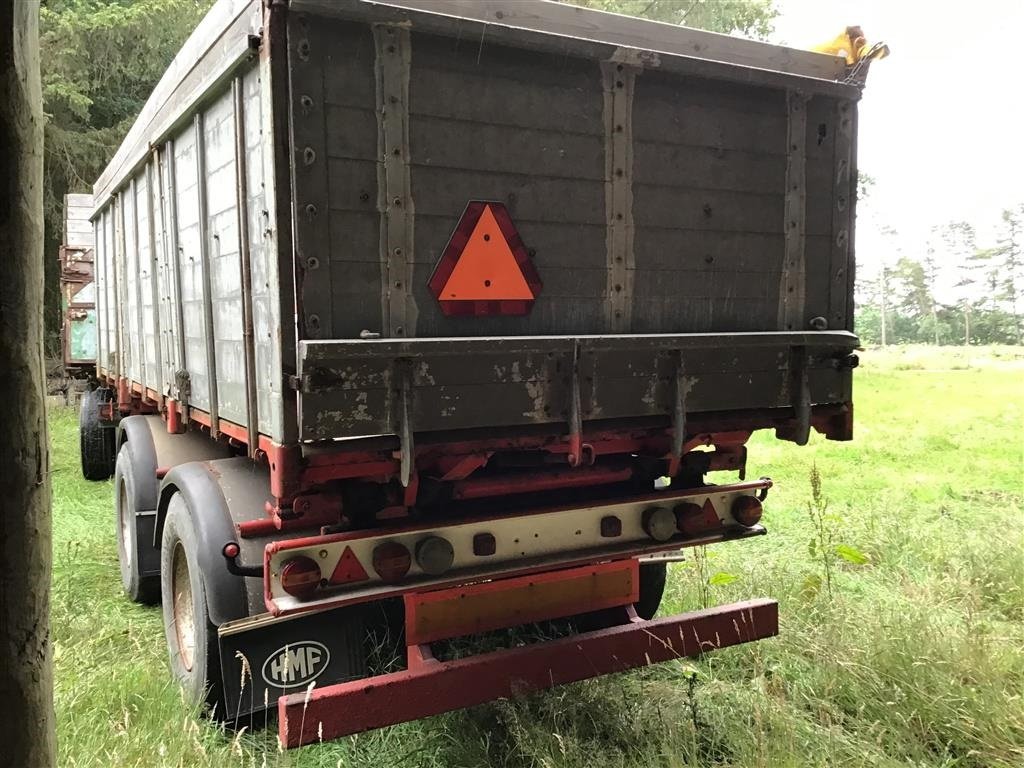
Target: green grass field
[{"x": 914, "y": 657}]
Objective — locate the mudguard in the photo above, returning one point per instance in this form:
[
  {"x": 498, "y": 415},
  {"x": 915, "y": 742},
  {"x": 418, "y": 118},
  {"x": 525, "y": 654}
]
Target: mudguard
[{"x": 198, "y": 483}]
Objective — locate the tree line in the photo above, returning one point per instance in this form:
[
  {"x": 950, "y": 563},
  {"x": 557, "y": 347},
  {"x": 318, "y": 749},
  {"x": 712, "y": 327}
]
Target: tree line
[{"x": 956, "y": 291}]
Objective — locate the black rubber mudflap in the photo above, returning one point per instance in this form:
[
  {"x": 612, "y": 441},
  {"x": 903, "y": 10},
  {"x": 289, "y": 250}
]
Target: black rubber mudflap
[{"x": 263, "y": 658}]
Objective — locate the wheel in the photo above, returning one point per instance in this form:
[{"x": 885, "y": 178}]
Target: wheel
[
  {"x": 139, "y": 588},
  {"x": 191, "y": 636},
  {"x": 652, "y": 587},
  {"x": 95, "y": 440}
]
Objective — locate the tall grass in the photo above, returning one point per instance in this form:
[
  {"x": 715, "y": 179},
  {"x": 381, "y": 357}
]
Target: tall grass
[{"x": 916, "y": 658}]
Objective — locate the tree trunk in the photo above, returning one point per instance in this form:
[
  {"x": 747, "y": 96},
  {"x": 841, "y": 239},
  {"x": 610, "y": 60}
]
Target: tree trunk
[{"x": 26, "y": 674}]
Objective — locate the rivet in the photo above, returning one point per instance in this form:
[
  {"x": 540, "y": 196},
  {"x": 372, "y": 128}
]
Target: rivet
[{"x": 312, "y": 262}]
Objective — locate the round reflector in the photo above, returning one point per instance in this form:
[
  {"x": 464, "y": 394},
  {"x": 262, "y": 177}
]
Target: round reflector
[
  {"x": 300, "y": 577},
  {"x": 434, "y": 555},
  {"x": 659, "y": 523},
  {"x": 746, "y": 511},
  {"x": 391, "y": 561}
]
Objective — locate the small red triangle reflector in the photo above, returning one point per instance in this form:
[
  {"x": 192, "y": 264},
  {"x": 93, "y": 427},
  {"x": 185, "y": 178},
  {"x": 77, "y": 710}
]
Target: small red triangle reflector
[
  {"x": 348, "y": 569},
  {"x": 485, "y": 268}
]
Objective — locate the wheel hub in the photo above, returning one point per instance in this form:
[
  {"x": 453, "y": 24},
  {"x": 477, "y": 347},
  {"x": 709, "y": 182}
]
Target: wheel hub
[{"x": 184, "y": 608}]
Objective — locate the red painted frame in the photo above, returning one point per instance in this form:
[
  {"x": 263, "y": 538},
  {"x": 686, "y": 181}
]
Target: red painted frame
[
  {"x": 431, "y": 687},
  {"x": 414, "y": 601}
]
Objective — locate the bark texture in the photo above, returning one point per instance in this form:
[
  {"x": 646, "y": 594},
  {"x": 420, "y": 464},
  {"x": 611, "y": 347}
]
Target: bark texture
[{"x": 26, "y": 675}]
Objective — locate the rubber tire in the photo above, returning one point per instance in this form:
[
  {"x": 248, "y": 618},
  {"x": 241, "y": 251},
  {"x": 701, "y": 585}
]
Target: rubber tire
[
  {"x": 139, "y": 589},
  {"x": 95, "y": 440},
  {"x": 652, "y": 587},
  {"x": 202, "y": 683}
]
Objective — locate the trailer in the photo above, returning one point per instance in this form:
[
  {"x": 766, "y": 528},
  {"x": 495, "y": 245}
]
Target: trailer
[{"x": 436, "y": 316}]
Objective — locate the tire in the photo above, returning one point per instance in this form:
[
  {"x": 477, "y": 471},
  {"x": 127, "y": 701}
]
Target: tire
[
  {"x": 652, "y": 587},
  {"x": 138, "y": 588},
  {"x": 95, "y": 440},
  {"x": 191, "y": 636}
]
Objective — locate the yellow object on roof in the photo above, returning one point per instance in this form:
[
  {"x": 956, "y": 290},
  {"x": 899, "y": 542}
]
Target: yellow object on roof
[{"x": 853, "y": 45}]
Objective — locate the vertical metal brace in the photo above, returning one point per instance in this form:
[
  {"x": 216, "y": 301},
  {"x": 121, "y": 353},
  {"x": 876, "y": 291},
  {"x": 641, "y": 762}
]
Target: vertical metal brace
[
  {"x": 310, "y": 180},
  {"x": 138, "y": 286},
  {"x": 680, "y": 389},
  {"x": 394, "y": 184},
  {"x": 793, "y": 286},
  {"x": 120, "y": 286},
  {"x": 153, "y": 172},
  {"x": 407, "y": 447},
  {"x": 618, "y": 79},
  {"x": 801, "y": 389},
  {"x": 204, "y": 251},
  {"x": 245, "y": 265},
  {"x": 843, "y": 197},
  {"x": 575, "y": 456},
  {"x": 181, "y": 373}
]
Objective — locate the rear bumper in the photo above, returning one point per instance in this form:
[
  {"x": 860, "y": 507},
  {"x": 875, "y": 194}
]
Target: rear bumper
[{"x": 431, "y": 687}]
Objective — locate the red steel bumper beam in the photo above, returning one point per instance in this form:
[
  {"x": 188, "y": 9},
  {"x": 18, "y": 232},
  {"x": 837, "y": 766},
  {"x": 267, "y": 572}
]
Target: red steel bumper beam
[{"x": 431, "y": 687}]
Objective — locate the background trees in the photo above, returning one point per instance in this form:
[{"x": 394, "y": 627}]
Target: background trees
[
  {"x": 954, "y": 291},
  {"x": 100, "y": 61}
]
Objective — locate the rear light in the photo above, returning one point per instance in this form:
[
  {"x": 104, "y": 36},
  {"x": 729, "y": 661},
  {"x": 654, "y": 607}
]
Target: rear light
[
  {"x": 434, "y": 555},
  {"x": 659, "y": 523},
  {"x": 611, "y": 527},
  {"x": 484, "y": 545},
  {"x": 694, "y": 520},
  {"x": 300, "y": 577},
  {"x": 746, "y": 511},
  {"x": 391, "y": 561}
]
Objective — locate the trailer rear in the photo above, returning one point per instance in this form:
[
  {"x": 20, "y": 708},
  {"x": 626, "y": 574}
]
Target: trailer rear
[{"x": 438, "y": 316}]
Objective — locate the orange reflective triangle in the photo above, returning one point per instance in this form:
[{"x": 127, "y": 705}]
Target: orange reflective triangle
[
  {"x": 486, "y": 268},
  {"x": 348, "y": 568}
]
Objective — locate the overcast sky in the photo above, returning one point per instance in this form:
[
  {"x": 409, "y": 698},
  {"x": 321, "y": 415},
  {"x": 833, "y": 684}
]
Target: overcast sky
[{"x": 941, "y": 121}]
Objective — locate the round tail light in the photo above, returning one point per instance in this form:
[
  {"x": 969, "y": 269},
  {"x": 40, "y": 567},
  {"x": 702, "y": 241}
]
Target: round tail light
[
  {"x": 746, "y": 511},
  {"x": 434, "y": 555},
  {"x": 391, "y": 561},
  {"x": 659, "y": 523},
  {"x": 300, "y": 577}
]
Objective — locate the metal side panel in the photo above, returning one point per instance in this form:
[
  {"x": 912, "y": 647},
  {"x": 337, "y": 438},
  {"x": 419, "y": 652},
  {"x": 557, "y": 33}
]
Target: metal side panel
[
  {"x": 112, "y": 363},
  {"x": 190, "y": 264},
  {"x": 265, "y": 279},
  {"x": 101, "y": 297},
  {"x": 130, "y": 333},
  {"x": 223, "y": 245},
  {"x": 165, "y": 289},
  {"x": 150, "y": 373},
  {"x": 352, "y": 388}
]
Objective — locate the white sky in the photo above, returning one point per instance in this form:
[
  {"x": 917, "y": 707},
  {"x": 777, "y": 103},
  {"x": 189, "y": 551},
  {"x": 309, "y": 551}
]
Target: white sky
[{"x": 941, "y": 121}]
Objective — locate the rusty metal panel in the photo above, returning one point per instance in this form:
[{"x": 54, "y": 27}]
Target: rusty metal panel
[
  {"x": 351, "y": 388},
  {"x": 129, "y": 280},
  {"x": 223, "y": 247}
]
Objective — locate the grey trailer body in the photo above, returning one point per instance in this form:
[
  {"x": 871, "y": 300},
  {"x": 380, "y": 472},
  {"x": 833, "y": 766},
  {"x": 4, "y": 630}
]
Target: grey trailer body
[
  {"x": 420, "y": 300},
  {"x": 658, "y": 193}
]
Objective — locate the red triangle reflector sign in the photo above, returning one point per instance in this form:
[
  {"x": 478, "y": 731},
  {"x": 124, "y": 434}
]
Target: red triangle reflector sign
[
  {"x": 348, "y": 569},
  {"x": 485, "y": 269}
]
